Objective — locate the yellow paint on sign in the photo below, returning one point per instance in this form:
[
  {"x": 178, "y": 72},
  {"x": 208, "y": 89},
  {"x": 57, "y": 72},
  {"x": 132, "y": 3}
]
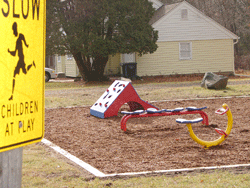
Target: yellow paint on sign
[{"x": 22, "y": 61}]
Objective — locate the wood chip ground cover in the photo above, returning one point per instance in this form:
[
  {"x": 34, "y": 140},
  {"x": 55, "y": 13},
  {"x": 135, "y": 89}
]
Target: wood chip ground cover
[{"x": 151, "y": 143}]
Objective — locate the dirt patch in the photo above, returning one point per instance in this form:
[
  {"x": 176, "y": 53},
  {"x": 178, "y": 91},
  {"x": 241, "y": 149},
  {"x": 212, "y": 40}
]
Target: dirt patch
[{"x": 151, "y": 143}]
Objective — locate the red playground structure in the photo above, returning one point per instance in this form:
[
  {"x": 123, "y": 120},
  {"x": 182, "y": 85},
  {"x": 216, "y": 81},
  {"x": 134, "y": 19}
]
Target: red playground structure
[
  {"x": 151, "y": 112},
  {"x": 119, "y": 93}
]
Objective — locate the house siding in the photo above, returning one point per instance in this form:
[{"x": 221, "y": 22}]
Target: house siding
[
  {"x": 196, "y": 27},
  {"x": 113, "y": 65},
  {"x": 71, "y": 67},
  {"x": 60, "y": 65},
  {"x": 207, "y": 56}
]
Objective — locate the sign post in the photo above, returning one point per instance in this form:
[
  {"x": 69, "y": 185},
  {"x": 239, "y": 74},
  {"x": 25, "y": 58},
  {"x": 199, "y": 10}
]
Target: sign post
[
  {"x": 11, "y": 168},
  {"x": 22, "y": 62}
]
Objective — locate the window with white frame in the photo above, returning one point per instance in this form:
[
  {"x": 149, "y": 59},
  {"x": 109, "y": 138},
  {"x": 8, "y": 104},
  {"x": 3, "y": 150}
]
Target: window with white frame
[{"x": 185, "y": 50}]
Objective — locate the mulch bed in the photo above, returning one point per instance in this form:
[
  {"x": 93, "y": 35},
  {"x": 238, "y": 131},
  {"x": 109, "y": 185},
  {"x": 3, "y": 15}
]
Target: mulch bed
[{"x": 150, "y": 144}]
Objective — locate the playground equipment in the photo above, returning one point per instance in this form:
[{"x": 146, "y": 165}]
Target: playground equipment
[
  {"x": 224, "y": 110},
  {"x": 180, "y": 111},
  {"x": 119, "y": 93},
  {"x": 164, "y": 112}
]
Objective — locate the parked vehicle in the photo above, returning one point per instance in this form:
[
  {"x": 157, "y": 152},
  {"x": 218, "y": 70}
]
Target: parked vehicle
[{"x": 50, "y": 74}]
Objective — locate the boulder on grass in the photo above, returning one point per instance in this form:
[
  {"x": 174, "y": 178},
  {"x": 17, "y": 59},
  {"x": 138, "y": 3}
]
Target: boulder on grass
[{"x": 214, "y": 81}]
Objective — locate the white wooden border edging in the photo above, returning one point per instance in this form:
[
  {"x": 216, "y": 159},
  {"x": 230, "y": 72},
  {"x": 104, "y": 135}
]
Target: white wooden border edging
[
  {"x": 98, "y": 173},
  {"x": 76, "y": 160}
]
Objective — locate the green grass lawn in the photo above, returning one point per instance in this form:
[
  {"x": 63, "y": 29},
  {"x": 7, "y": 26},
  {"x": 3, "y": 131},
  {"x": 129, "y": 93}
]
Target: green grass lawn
[{"x": 73, "y": 94}]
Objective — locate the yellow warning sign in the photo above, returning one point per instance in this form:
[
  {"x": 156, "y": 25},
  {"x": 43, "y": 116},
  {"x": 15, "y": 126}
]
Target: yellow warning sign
[{"x": 22, "y": 60}]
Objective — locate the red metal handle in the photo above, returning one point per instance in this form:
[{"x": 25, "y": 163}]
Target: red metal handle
[
  {"x": 221, "y": 132},
  {"x": 221, "y": 111}
]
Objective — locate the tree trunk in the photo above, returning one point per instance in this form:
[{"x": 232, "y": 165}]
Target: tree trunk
[
  {"x": 88, "y": 72},
  {"x": 98, "y": 67},
  {"x": 83, "y": 65}
]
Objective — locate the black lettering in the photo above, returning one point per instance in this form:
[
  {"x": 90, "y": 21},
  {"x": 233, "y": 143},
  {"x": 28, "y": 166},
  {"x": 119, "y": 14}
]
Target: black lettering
[
  {"x": 13, "y": 109},
  {"x": 7, "y": 130},
  {"x": 31, "y": 107},
  {"x": 26, "y": 107},
  {"x": 21, "y": 109},
  {"x": 23, "y": 128},
  {"x": 28, "y": 127},
  {"x": 35, "y": 7},
  {"x": 14, "y": 13},
  {"x": 9, "y": 110},
  {"x": 16, "y": 110},
  {"x": 5, "y": 14},
  {"x": 36, "y": 106},
  {"x": 3, "y": 116},
  {"x": 25, "y": 15},
  {"x": 11, "y": 128},
  {"x": 32, "y": 122}
]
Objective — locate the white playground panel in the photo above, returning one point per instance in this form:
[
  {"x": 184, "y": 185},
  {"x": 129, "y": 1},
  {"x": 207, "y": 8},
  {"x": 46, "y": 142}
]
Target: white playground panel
[{"x": 107, "y": 98}]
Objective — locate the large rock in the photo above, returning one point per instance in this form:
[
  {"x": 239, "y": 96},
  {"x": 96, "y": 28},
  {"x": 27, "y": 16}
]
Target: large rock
[{"x": 214, "y": 81}]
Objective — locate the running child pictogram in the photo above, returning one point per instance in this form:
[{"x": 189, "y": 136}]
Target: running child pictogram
[{"x": 21, "y": 63}]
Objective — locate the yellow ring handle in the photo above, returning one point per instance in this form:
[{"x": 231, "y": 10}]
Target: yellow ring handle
[{"x": 219, "y": 140}]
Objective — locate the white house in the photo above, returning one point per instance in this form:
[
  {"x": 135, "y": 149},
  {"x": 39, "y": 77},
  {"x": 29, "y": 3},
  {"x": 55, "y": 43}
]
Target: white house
[{"x": 189, "y": 42}]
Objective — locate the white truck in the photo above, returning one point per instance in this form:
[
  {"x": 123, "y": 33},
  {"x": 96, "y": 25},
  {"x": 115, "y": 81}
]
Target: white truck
[{"x": 50, "y": 74}]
